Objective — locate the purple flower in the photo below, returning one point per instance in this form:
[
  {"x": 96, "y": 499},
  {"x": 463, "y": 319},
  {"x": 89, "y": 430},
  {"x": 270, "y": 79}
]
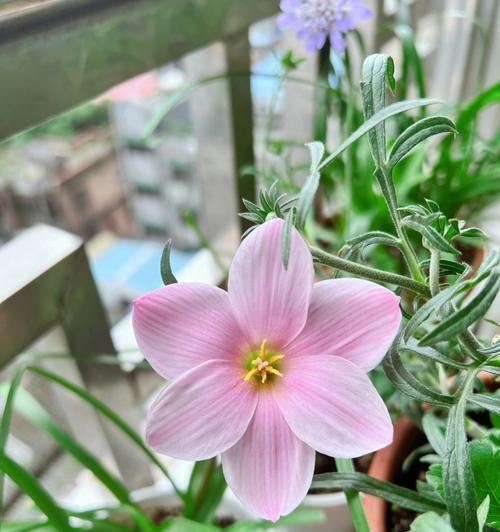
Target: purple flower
[{"x": 314, "y": 20}]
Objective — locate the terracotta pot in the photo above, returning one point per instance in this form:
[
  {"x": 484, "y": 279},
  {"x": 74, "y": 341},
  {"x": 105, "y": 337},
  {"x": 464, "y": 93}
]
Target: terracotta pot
[{"x": 386, "y": 465}]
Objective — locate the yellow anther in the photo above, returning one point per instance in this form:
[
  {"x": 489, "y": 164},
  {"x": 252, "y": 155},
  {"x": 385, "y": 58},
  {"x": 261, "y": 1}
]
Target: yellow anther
[
  {"x": 261, "y": 366},
  {"x": 250, "y": 374},
  {"x": 274, "y": 371},
  {"x": 263, "y": 346}
]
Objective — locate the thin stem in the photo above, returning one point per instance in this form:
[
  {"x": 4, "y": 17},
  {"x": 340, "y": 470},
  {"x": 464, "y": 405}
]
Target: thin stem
[
  {"x": 368, "y": 272},
  {"x": 434, "y": 271},
  {"x": 345, "y": 465}
]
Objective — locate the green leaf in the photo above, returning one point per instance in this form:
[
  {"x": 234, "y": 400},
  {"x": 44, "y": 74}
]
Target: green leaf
[
  {"x": 31, "y": 409},
  {"x": 306, "y": 196},
  {"x": 432, "y": 354},
  {"x": 483, "y": 511},
  {"x": 417, "y": 133},
  {"x": 489, "y": 402},
  {"x": 377, "y": 68},
  {"x": 405, "y": 382},
  {"x": 389, "y": 111},
  {"x": 390, "y": 492},
  {"x": 460, "y": 320},
  {"x": 434, "y": 431},
  {"x": 485, "y": 462},
  {"x": 286, "y": 236},
  {"x": 167, "y": 275},
  {"x": 411, "y": 58},
  {"x": 110, "y": 415},
  {"x": 458, "y": 479},
  {"x": 372, "y": 238},
  {"x": 468, "y": 115},
  {"x": 31, "y": 487},
  {"x": 181, "y": 524},
  {"x": 205, "y": 491},
  {"x": 431, "y": 522},
  {"x": 417, "y": 223},
  {"x": 434, "y": 477},
  {"x": 6, "y": 419},
  {"x": 301, "y": 516}
]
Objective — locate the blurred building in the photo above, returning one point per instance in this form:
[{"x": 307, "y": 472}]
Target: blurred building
[{"x": 70, "y": 182}]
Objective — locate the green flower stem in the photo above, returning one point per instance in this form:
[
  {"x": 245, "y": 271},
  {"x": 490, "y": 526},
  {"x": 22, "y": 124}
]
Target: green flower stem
[
  {"x": 434, "y": 271},
  {"x": 368, "y": 272},
  {"x": 345, "y": 465},
  {"x": 384, "y": 177}
]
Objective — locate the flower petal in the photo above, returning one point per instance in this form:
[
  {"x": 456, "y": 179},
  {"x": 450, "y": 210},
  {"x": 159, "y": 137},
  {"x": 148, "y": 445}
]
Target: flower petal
[
  {"x": 180, "y": 326},
  {"x": 331, "y": 405},
  {"x": 202, "y": 413},
  {"x": 269, "y": 469},
  {"x": 269, "y": 301},
  {"x": 349, "y": 318}
]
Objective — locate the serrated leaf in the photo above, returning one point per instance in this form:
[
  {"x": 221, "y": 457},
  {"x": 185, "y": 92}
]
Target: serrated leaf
[
  {"x": 431, "y": 522},
  {"x": 485, "y": 462},
  {"x": 167, "y": 275},
  {"x": 460, "y": 320},
  {"x": 416, "y": 134}
]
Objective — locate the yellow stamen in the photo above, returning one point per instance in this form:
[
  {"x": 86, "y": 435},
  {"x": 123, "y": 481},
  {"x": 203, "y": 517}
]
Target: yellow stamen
[
  {"x": 250, "y": 374},
  {"x": 261, "y": 366},
  {"x": 274, "y": 371},
  {"x": 263, "y": 346}
]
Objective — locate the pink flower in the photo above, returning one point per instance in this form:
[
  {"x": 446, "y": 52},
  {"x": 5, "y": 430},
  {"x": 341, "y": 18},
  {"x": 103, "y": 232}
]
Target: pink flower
[{"x": 269, "y": 371}]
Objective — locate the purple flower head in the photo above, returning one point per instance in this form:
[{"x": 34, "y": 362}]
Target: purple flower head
[{"x": 315, "y": 20}]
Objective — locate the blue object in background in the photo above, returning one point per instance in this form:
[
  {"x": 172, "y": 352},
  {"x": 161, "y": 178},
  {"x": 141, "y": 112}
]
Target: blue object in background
[{"x": 133, "y": 266}]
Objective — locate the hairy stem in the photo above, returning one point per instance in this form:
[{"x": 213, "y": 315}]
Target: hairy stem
[
  {"x": 368, "y": 272},
  {"x": 434, "y": 271}
]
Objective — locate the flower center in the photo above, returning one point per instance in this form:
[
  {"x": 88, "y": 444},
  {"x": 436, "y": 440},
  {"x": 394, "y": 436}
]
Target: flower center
[
  {"x": 320, "y": 15},
  {"x": 262, "y": 364}
]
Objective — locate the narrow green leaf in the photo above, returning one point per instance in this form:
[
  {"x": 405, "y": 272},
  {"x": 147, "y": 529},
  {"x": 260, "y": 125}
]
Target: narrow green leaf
[
  {"x": 458, "y": 479},
  {"x": 482, "y": 512},
  {"x": 377, "y": 68},
  {"x": 435, "y": 432},
  {"x": 389, "y": 111},
  {"x": 417, "y": 133},
  {"x": 428, "y": 232},
  {"x": 358, "y": 244},
  {"x": 109, "y": 414},
  {"x": 404, "y": 381},
  {"x": 390, "y": 492},
  {"x": 460, "y": 320},
  {"x": 286, "y": 236},
  {"x": 432, "y": 354},
  {"x": 167, "y": 275},
  {"x": 306, "y": 198},
  {"x": 181, "y": 524},
  {"x": 31, "y": 409},
  {"x": 205, "y": 491},
  {"x": 316, "y": 151},
  {"x": 31, "y": 487},
  {"x": 487, "y": 401}
]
